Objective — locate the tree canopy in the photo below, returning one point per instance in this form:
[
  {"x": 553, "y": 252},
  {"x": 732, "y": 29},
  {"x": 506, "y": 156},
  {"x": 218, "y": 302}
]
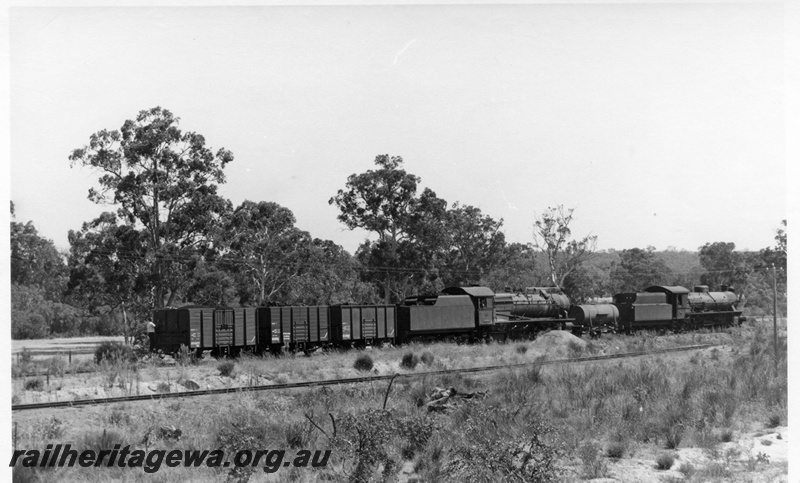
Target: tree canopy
[
  {"x": 264, "y": 250},
  {"x": 421, "y": 245},
  {"x": 639, "y": 269},
  {"x": 723, "y": 265},
  {"x": 106, "y": 270},
  {"x": 552, "y": 236},
  {"x": 164, "y": 182},
  {"x": 35, "y": 261}
]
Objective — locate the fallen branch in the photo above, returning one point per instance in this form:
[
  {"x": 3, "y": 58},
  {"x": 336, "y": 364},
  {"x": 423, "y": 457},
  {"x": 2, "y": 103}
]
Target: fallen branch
[
  {"x": 386, "y": 397},
  {"x": 316, "y": 425}
]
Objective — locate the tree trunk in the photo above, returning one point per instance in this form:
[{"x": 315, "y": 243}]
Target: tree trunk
[{"x": 125, "y": 324}]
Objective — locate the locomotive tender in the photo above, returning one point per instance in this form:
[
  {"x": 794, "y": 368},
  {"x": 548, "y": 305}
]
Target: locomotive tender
[{"x": 457, "y": 313}]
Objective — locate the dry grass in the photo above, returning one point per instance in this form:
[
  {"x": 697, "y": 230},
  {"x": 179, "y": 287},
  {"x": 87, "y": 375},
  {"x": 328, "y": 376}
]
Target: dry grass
[{"x": 547, "y": 414}]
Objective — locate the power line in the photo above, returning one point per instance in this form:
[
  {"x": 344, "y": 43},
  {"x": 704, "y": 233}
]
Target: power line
[{"x": 226, "y": 259}]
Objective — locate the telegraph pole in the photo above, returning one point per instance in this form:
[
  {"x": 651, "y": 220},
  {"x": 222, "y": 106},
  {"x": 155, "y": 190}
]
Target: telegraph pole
[{"x": 775, "y": 315}]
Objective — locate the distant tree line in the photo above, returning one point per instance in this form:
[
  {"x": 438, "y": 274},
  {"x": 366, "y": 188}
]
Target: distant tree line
[{"x": 171, "y": 239}]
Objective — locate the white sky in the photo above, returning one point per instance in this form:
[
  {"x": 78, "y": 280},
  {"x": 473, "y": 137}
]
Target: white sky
[{"x": 662, "y": 124}]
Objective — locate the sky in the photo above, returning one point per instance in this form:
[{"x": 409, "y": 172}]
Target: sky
[{"x": 660, "y": 124}]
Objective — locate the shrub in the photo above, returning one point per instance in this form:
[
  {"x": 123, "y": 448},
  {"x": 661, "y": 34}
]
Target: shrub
[
  {"x": 409, "y": 361},
  {"x": 34, "y": 384},
  {"x": 55, "y": 366},
  {"x": 296, "y": 435},
  {"x": 533, "y": 375},
  {"x": 687, "y": 470},
  {"x": 774, "y": 421},
  {"x": 482, "y": 451},
  {"x": 521, "y": 349},
  {"x": 427, "y": 358},
  {"x": 615, "y": 449},
  {"x": 50, "y": 429},
  {"x": 184, "y": 356},
  {"x": 715, "y": 470},
  {"x": 113, "y": 352},
  {"x": 574, "y": 350},
  {"x": 672, "y": 424},
  {"x": 417, "y": 394},
  {"x": 592, "y": 462},
  {"x": 244, "y": 425},
  {"x": 226, "y": 368},
  {"x": 363, "y": 363},
  {"x": 163, "y": 387},
  {"x": 119, "y": 418},
  {"x": 104, "y": 441},
  {"x": 726, "y": 435},
  {"x": 665, "y": 461}
]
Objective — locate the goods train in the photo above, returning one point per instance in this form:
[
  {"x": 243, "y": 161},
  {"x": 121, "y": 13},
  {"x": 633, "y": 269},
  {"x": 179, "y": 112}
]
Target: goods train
[{"x": 457, "y": 314}]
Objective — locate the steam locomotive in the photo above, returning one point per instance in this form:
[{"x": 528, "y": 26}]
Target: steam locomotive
[{"x": 465, "y": 314}]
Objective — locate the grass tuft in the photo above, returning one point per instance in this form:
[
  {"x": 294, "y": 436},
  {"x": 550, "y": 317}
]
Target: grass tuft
[
  {"x": 34, "y": 384},
  {"x": 615, "y": 449},
  {"x": 363, "y": 363},
  {"x": 101, "y": 441},
  {"x": 409, "y": 361},
  {"x": 226, "y": 368},
  {"x": 113, "y": 352},
  {"x": 665, "y": 461}
]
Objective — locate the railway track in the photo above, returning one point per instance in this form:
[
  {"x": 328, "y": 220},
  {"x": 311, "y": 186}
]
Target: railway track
[{"x": 336, "y": 382}]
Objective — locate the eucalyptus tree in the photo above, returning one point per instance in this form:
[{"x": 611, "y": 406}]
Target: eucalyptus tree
[
  {"x": 475, "y": 244},
  {"x": 639, "y": 269},
  {"x": 35, "y": 261},
  {"x": 106, "y": 270},
  {"x": 552, "y": 235},
  {"x": 383, "y": 201},
  {"x": 164, "y": 183},
  {"x": 723, "y": 265},
  {"x": 421, "y": 245},
  {"x": 263, "y": 249},
  {"x": 330, "y": 276}
]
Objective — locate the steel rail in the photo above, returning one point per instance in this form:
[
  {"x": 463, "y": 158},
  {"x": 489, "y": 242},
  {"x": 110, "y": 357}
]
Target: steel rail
[{"x": 335, "y": 382}]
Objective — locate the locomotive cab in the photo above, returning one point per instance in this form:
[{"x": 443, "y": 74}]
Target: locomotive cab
[{"x": 677, "y": 297}]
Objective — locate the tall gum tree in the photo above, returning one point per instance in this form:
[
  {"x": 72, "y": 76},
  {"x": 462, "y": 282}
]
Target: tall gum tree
[
  {"x": 553, "y": 237},
  {"x": 421, "y": 246},
  {"x": 164, "y": 182},
  {"x": 475, "y": 244},
  {"x": 381, "y": 201},
  {"x": 264, "y": 250}
]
